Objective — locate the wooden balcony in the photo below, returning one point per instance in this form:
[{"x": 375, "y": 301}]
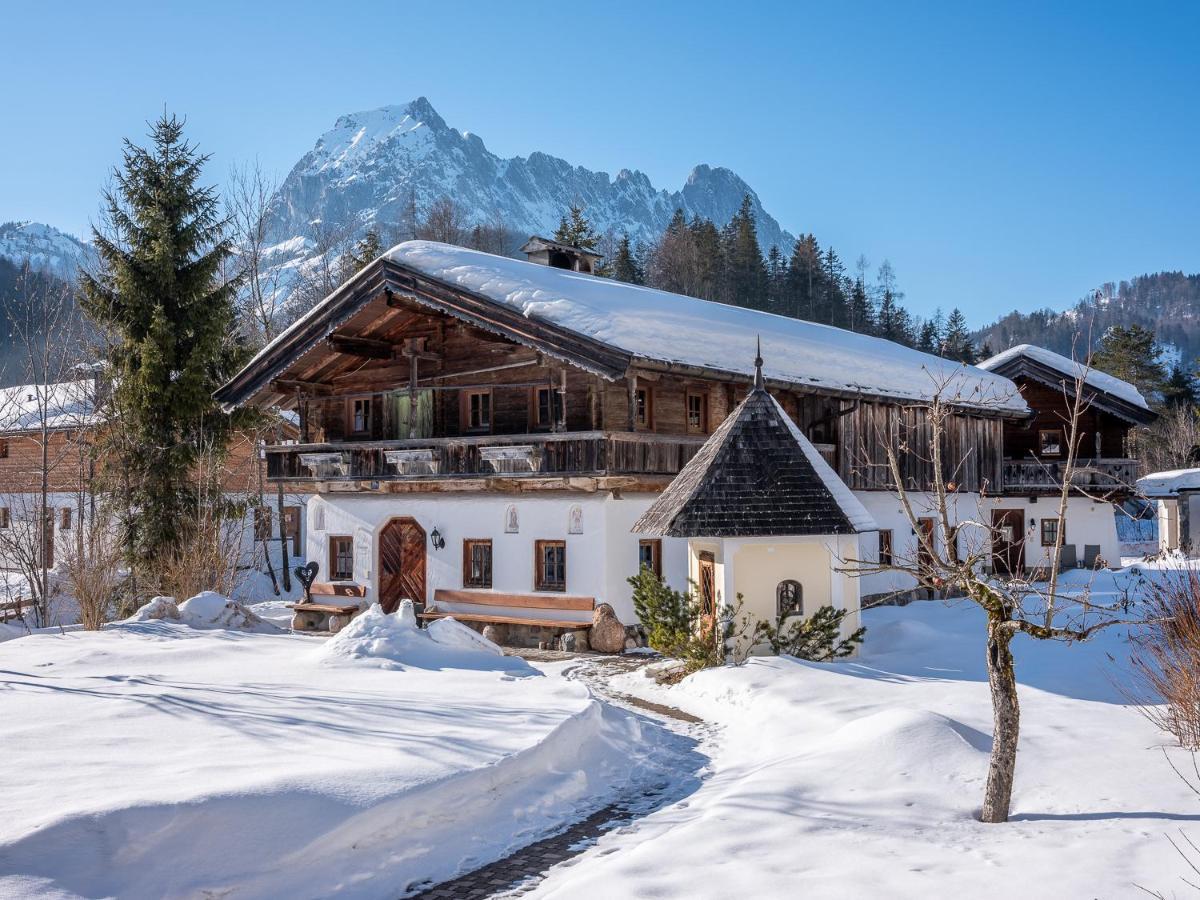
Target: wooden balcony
[
  {"x": 1093, "y": 476},
  {"x": 579, "y": 453}
]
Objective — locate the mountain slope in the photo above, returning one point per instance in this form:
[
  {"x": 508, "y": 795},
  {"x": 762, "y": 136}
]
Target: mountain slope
[
  {"x": 44, "y": 248},
  {"x": 372, "y": 167},
  {"x": 1167, "y": 303}
]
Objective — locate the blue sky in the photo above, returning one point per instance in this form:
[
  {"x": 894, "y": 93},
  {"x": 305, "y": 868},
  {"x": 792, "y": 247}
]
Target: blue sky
[{"x": 1000, "y": 157}]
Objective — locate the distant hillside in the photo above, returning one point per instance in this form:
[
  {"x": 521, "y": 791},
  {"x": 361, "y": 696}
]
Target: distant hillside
[{"x": 1168, "y": 303}]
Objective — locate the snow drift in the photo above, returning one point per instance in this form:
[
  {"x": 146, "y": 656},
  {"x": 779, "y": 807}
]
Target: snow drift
[{"x": 396, "y": 641}]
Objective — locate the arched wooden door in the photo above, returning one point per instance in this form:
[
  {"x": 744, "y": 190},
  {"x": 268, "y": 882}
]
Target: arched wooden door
[{"x": 401, "y": 563}]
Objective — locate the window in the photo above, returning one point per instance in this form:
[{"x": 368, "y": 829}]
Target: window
[
  {"x": 1050, "y": 442},
  {"x": 541, "y": 409},
  {"x": 643, "y": 408},
  {"x": 477, "y": 563},
  {"x": 5, "y": 517},
  {"x": 925, "y": 540},
  {"x": 1050, "y": 532},
  {"x": 360, "y": 415},
  {"x": 650, "y": 556},
  {"x": 789, "y": 599},
  {"x": 64, "y": 519},
  {"x": 262, "y": 523},
  {"x": 550, "y": 565},
  {"x": 341, "y": 558},
  {"x": 697, "y": 413},
  {"x": 3, "y": 449},
  {"x": 477, "y": 411},
  {"x": 885, "y": 546},
  {"x": 291, "y": 527}
]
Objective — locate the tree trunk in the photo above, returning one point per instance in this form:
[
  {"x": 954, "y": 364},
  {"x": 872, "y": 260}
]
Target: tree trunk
[{"x": 1006, "y": 723}]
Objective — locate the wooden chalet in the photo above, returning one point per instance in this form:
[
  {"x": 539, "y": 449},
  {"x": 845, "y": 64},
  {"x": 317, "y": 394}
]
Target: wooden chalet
[{"x": 516, "y": 411}]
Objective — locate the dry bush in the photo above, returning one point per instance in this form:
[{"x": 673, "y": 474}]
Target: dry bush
[
  {"x": 95, "y": 577},
  {"x": 206, "y": 560},
  {"x": 1166, "y": 657}
]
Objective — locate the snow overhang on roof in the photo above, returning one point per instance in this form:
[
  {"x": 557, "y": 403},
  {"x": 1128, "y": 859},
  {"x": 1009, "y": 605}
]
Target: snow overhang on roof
[
  {"x": 1055, "y": 370},
  {"x": 1168, "y": 484},
  {"x": 603, "y": 325}
]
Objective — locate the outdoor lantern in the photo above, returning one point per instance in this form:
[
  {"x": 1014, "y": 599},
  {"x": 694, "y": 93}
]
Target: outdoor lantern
[{"x": 437, "y": 540}]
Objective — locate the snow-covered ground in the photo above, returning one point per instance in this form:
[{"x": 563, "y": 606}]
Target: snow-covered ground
[
  {"x": 863, "y": 778},
  {"x": 176, "y": 758},
  {"x": 210, "y": 755}
]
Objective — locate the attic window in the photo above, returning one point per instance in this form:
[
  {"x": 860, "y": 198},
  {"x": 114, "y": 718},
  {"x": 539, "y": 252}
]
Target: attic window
[{"x": 1050, "y": 442}]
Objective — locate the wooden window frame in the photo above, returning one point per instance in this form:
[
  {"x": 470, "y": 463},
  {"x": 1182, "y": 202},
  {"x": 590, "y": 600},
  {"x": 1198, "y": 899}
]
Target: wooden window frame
[
  {"x": 1042, "y": 432},
  {"x": 5, "y": 517},
  {"x": 539, "y": 583},
  {"x": 469, "y": 545},
  {"x": 1054, "y": 537},
  {"x": 643, "y": 412},
  {"x": 64, "y": 518},
  {"x": 798, "y": 608},
  {"x": 887, "y": 547},
  {"x": 702, "y": 396},
  {"x": 655, "y": 546},
  {"x": 464, "y": 411},
  {"x": 351, "y": 402},
  {"x": 535, "y": 408},
  {"x": 4, "y": 448},
  {"x": 336, "y": 574}
]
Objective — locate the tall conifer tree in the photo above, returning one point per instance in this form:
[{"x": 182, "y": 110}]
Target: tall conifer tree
[{"x": 170, "y": 316}]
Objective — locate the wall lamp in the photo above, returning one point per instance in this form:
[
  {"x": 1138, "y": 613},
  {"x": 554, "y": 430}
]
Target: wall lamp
[{"x": 437, "y": 540}]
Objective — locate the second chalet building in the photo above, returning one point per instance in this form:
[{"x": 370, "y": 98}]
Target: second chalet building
[{"x": 490, "y": 428}]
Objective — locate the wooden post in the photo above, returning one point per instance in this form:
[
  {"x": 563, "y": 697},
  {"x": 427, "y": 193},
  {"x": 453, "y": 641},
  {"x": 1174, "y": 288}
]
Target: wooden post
[
  {"x": 562, "y": 400},
  {"x": 631, "y": 380}
]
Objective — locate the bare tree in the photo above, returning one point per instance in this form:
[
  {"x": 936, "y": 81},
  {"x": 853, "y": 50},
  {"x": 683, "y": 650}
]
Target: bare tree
[
  {"x": 445, "y": 220},
  {"x": 248, "y": 205},
  {"x": 46, "y": 421},
  {"x": 957, "y": 556},
  {"x": 1172, "y": 442}
]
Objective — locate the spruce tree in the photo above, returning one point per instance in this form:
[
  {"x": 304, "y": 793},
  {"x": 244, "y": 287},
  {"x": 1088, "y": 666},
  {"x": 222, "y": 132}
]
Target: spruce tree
[
  {"x": 625, "y": 266},
  {"x": 1132, "y": 355},
  {"x": 956, "y": 344},
  {"x": 575, "y": 230},
  {"x": 170, "y": 317},
  {"x": 861, "y": 313},
  {"x": 745, "y": 269},
  {"x": 365, "y": 252},
  {"x": 1180, "y": 387}
]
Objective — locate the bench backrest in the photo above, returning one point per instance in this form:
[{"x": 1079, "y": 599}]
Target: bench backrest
[
  {"x": 521, "y": 601},
  {"x": 328, "y": 589}
]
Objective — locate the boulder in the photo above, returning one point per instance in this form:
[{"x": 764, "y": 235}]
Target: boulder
[
  {"x": 574, "y": 641},
  {"x": 497, "y": 634},
  {"x": 607, "y": 634}
]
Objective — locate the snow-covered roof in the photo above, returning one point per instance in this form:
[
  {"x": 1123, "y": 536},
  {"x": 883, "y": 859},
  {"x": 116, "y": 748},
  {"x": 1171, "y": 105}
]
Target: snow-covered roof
[
  {"x": 1109, "y": 384},
  {"x": 660, "y": 326},
  {"x": 64, "y": 404},
  {"x": 1169, "y": 483}
]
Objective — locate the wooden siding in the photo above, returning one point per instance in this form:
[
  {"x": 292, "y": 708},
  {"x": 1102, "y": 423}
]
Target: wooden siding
[
  {"x": 971, "y": 449},
  {"x": 1051, "y": 410}
]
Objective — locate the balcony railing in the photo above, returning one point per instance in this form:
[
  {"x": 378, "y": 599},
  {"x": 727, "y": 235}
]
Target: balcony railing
[
  {"x": 513, "y": 455},
  {"x": 1098, "y": 475}
]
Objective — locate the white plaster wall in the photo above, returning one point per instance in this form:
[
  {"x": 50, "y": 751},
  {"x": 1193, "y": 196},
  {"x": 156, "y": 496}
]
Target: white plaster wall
[
  {"x": 1088, "y": 522},
  {"x": 598, "y": 560},
  {"x": 1168, "y": 524}
]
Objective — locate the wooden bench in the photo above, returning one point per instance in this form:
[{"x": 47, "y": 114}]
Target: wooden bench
[
  {"x": 317, "y": 616},
  {"x": 495, "y": 608}
]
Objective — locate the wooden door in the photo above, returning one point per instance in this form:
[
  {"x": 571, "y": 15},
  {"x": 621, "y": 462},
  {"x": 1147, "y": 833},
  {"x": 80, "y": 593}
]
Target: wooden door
[
  {"x": 401, "y": 563},
  {"x": 1008, "y": 541}
]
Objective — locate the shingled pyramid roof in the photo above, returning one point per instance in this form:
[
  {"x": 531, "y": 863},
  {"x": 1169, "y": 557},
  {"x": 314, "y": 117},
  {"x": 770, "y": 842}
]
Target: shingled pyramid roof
[{"x": 756, "y": 476}]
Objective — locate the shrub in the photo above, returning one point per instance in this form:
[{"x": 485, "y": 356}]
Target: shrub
[
  {"x": 816, "y": 638},
  {"x": 676, "y": 625},
  {"x": 1166, "y": 656}
]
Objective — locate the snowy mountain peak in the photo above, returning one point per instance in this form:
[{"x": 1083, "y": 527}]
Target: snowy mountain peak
[
  {"x": 44, "y": 247},
  {"x": 368, "y": 169}
]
